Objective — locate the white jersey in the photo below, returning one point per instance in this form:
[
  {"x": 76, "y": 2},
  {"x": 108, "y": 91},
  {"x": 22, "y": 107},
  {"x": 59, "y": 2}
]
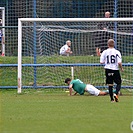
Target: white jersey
[
  {"x": 63, "y": 50},
  {"x": 111, "y": 57}
]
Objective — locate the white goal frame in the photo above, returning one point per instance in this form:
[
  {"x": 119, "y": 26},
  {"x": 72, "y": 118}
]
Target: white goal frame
[
  {"x": 21, "y": 20},
  {"x": 3, "y": 29}
]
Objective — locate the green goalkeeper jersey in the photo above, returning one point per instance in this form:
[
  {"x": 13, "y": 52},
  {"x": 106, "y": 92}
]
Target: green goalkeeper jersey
[{"x": 78, "y": 86}]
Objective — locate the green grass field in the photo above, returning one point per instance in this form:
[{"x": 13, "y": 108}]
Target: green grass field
[{"x": 53, "y": 111}]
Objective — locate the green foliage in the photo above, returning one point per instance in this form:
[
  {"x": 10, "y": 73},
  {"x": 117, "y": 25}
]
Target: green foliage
[
  {"x": 56, "y": 75},
  {"x": 58, "y": 59}
]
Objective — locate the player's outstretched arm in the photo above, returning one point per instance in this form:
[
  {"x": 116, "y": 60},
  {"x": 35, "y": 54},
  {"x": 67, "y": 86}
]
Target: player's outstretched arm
[{"x": 70, "y": 89}]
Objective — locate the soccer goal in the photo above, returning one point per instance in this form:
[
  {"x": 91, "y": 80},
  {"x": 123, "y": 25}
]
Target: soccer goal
[{"x": 39, "y": 41}]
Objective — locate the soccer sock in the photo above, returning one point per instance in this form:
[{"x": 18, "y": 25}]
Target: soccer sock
[
  {"x": 111, "y": 92},
  {"x": 107, "y": 91},
  {"x": 118, "y": 87},
  {"x": 114, "y": 91}
]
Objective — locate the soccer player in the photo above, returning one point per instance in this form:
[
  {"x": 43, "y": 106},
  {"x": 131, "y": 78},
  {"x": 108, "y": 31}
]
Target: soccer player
[
  {"x": 79, "y": 87},
  {"x": 112, "y": 60},
  {"x": 66, "y": 50}
]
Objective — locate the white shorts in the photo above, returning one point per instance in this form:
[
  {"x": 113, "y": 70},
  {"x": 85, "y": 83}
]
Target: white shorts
[{"x": 92, "y": 90}]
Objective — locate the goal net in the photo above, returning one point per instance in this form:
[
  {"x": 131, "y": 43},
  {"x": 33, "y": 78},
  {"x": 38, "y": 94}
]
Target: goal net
[{"x": 40, "y": 64}]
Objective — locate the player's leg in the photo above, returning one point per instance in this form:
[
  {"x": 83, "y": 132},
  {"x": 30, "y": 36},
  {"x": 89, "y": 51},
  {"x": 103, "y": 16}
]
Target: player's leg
[
  {"x": 110, "y": 87},
  {"x": 109, "y": 81},
  {"x": 117, "y": 80},
  {"x": 107, "y": 91},
  {"x": 92, "y": 90},
  {"x": 102, "y": 93}
]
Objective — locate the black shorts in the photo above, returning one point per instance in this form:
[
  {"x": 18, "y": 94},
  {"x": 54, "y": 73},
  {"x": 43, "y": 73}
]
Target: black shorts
[{"x": 112, "y": 76}]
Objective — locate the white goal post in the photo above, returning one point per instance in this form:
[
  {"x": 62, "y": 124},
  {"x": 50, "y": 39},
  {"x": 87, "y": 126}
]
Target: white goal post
[
  {"x": 3, "y": 29},
  {"x": 34, "y": 20}
]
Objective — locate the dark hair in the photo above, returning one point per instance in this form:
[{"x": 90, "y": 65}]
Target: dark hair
[{"x": 67, "y": 79}]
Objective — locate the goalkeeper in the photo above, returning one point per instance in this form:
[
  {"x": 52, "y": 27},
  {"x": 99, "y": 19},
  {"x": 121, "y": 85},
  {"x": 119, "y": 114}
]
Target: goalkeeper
[{"x": 79, "y": 87}]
